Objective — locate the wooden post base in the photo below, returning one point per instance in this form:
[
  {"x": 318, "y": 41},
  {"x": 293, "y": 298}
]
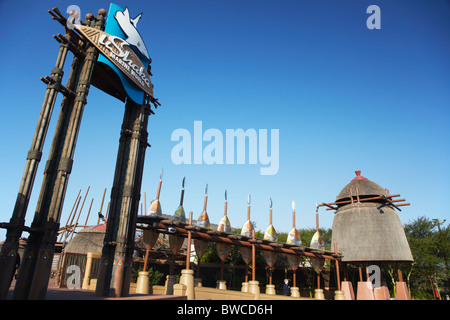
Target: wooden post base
[
  {"x": 365, "y": 291},
  {"x": 295, "y": 292},
  {"x": 318, "y": 294},
  {"x": 347, "y": 287},
  {"x": 381, "y": 293},
  {"x": 170, "y": 281},
  {"x": 143, "y": 283},
  {"x": 187, "y": 279},
  {"x": 222, "y": 285},
  {"x": 402, "y": 292},
  {"x": 339, "y": 295},
  {"x": 270, "y": 289}
]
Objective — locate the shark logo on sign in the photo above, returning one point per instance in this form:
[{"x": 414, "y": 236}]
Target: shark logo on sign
[{"x": 129, "y": 26}]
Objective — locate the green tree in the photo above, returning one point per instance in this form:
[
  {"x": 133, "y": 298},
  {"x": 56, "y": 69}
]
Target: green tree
[{"x": 429, "y": 243}]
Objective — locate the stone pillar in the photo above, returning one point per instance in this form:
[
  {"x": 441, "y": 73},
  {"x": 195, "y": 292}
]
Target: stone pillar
[
  {"x": 381, "y": 292},
  {"x": 347, "y": 287},
  {"x": 318, "y": 294},
  {"x": 270, "y": 289},
  {"x": 365, "y": 291},
  {"x": 143, "y": 283},
  {"x": 170, "y": 282},
  {"x": 222, "y": 285},
  {"x": 87, "y": 272},
  {"x": 253, "y": 287},
  {"x": 295, "y": 292},
  {"x": 187, "y": 279},
  {"x": 198, "y": 282},
  {"x": 339, "y": 295},
  {"x": 402, "y": 292}
]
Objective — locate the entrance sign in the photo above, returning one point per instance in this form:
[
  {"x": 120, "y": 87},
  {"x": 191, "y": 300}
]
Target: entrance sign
[
  {"x": 119, "y": 53},
  {"x": 123, "y": 55}
]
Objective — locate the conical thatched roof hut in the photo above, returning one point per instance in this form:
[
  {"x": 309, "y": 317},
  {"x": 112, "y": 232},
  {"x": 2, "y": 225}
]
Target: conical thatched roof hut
[
  {"x": 89, "y": 239},
  {"x": 368, "y": 230}
]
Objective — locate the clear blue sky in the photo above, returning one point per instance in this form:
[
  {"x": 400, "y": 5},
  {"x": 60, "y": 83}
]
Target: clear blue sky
[{"x": 343, "y": 97}]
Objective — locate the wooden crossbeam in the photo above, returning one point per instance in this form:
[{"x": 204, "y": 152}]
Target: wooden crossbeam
[{"x": 183, "y": 230}]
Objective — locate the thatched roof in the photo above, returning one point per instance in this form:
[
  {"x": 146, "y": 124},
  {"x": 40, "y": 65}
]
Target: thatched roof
[
  {"x": 369, "y": 231},
  {"x": 365, "y": 187},
  {"x": 87, "y": 240}
]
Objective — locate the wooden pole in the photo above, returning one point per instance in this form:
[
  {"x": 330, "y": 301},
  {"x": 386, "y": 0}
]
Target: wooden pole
[
  {"x": 225, "y": 214},
  {"x": 317, "y": 230},
  {"x": 147, "y": 252},
  {"x": 338, "y": 278},
  {"x": 293, "y": 214},
  {"x": 248, "y": 219},
  {"x": 294, "y": 275},
  {"x": 317, "y": 222},
  {"x": 226, "y": 208},
  {"x": 107, "y": 211},
  {"x": 159, "y": 186},
  {"x": 89, "y": 211},
  {"x": 70, "y": 215},
  {"x": 182, "y": 192},
  {"x": 253, "y": 257},
  {"x": 145, "y": 203},
  {"x": 189, "y": 240},
  {"x": 115, "y": 271},
  {"x": 399, "y": 272},
  {"x": 79, "y": 214},
  {"x": 270, "y": 223},
  {"x": 101, "y": 207},
  {"x": 345, "y": 272},
  {"x": 67, "y": 233},
  {"x": 246, "y": 272},
  {"x": 205, "y": 202},
  {"x": 10, "y": 247},
  {"x": 53, "y": 214}
]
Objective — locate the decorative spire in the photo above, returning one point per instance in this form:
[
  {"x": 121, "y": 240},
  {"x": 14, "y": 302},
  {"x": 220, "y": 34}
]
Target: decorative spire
[{"x": 358, "y": 176}]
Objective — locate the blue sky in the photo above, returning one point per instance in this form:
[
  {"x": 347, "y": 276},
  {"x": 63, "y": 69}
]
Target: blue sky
[{"x": 343, "y": 98}]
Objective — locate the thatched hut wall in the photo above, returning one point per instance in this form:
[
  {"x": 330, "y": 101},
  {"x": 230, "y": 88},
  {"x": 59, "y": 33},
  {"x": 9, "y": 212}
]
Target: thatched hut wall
[
  {"x": 75, "y": 252},
  {"x": 368, "y": 231}
]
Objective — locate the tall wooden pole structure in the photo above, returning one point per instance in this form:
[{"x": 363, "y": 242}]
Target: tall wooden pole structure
[
  {"x": 317, "y": 230},
  {"x": 116, "y": 262},
  {"x": 15, "y": 227},
  {"x": 37, "y": 260},
  {"x": 52, "y": 216},
  {"x": 45, "y": 226}
]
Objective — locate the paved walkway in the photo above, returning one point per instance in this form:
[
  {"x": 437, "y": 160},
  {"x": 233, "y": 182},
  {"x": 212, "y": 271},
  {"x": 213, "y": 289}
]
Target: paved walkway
[{"x": 56, "y": 293}]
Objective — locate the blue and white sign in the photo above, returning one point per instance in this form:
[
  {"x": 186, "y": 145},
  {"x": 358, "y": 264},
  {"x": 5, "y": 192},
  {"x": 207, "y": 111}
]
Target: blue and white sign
[{"x": 120, "y": 26}]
